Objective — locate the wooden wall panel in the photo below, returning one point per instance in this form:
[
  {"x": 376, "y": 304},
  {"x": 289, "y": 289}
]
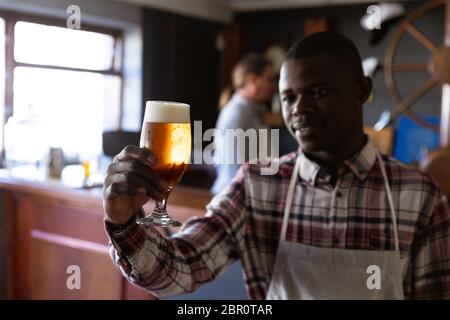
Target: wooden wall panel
[
  {"x": 23, "y": 220},
  {"x": 181, "y": 62},
  {"x": 65, "y": 219},
  {"x": 131, "y": 292},
  {"x": 52, "y": 254}
]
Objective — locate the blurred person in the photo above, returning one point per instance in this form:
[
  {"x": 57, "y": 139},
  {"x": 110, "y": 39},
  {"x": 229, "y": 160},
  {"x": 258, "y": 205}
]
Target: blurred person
[
  {"x": 254, "y": 84},
  {"x": 225, "y": 96}
]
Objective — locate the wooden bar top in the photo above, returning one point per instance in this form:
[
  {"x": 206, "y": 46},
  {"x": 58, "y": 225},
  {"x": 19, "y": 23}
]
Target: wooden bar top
[{"x": 186, "y": 201}]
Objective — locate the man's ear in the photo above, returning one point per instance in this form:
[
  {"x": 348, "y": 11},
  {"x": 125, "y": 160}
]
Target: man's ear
[{"x": 365, "y": 89}]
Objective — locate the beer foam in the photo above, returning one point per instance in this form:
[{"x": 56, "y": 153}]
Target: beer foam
[{"x": 166, "y": 111}]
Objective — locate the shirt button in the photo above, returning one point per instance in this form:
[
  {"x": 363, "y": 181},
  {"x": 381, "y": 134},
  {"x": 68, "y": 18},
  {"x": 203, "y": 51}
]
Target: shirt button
[{"x": 338, "y": 194}]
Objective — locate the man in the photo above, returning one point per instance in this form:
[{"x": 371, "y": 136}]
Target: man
[
  {"x": 254, "y": 83},
  {"x": 337, "y": 221}
]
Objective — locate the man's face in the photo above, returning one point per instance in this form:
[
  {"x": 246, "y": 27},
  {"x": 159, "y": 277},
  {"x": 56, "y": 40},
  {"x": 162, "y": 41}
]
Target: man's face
[
  {"x": 265, "y": 84},
  {"x": 321, "y": 102}
]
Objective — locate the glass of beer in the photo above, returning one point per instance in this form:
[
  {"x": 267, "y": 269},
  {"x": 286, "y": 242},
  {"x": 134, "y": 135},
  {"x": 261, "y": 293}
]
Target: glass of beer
[{"x": 166, "y": 131}]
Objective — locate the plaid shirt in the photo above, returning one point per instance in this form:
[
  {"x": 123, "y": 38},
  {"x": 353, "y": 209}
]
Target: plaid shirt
[{"x": 348, "y": 210}]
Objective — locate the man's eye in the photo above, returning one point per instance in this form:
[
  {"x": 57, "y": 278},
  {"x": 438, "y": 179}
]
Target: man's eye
[
  {"x": 290, "y": 98},
  {"x": 319, "y": 92}
]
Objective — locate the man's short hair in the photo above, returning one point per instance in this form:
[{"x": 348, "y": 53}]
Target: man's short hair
[
  {"x": 326, "y": 43},
  {"x": 252, "y": 63}
]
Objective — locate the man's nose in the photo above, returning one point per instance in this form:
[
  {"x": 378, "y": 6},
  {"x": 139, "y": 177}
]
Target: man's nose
[{"x": 303, "y": 105}]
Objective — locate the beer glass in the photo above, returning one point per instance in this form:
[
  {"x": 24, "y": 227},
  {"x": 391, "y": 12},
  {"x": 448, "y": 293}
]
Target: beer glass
[{"x": 166, "y": 131}]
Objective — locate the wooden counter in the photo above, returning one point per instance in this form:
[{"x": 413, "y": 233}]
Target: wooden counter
[{"x": 50, "y": 227}]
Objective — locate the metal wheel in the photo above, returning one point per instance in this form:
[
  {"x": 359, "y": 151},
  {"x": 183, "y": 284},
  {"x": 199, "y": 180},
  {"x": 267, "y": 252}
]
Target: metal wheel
[{"x": 438, "y": 66}]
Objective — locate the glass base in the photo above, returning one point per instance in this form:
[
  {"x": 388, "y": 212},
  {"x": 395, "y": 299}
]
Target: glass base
[{"x": 158, "y": 220}]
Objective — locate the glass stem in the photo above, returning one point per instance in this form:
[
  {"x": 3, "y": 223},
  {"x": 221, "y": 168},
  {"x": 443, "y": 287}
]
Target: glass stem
[{"x": 160, "y": 208}]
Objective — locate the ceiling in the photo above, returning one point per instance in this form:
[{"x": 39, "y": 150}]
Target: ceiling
[
  {"x": 222, "y": 10},
  {"x": 240, "y": 5}
]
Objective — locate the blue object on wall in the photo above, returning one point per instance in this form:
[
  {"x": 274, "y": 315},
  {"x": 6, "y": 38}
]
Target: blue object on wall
[{"x": 413, "y": 141}]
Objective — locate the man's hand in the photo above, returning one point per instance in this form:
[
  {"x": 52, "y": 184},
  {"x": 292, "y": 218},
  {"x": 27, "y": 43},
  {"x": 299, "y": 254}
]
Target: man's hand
[{"x": 130, "y": 183}]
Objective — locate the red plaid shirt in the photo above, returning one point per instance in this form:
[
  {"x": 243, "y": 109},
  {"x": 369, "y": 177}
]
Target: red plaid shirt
[{"x": 350, "y": 211}]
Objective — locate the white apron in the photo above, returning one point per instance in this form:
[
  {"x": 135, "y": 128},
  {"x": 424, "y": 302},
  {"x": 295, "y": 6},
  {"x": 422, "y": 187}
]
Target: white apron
[{"x": 309, "y": 272}]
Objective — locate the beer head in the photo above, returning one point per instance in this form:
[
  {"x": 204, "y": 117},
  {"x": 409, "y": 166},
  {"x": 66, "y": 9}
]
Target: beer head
[{"x": 166, "y": 112}]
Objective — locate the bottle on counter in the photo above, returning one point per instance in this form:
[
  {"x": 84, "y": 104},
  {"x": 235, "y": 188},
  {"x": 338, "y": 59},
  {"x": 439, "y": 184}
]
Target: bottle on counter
[{"x": 55, "y": 162}]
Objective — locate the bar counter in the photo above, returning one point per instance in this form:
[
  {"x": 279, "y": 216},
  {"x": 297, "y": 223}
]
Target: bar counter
[{"x": 50, "y": 230}]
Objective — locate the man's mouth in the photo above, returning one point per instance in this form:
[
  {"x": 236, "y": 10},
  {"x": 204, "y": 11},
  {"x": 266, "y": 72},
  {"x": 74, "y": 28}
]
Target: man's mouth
[
  {"x": 308, "y": 125},
  {"x": 308, "y": 129}
]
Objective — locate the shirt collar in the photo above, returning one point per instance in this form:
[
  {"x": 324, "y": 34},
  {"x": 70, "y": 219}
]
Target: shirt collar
[
  {"x": 362, "y": 162},
  {"x": 359, "y": 164}
]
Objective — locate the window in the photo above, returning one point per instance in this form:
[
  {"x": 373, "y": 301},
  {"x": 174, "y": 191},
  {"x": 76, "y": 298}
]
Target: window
[
  {"x": 2, "y": 79},
  {"x": 63, "y": 88}
]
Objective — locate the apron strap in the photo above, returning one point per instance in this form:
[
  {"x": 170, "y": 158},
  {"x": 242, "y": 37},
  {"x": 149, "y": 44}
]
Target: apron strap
[
  {"x": 390, "y": 200},
  {"x": 289, "y": 197}
]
